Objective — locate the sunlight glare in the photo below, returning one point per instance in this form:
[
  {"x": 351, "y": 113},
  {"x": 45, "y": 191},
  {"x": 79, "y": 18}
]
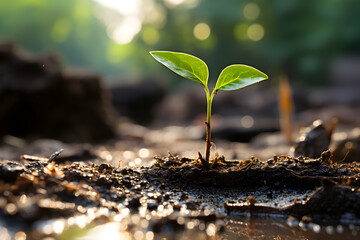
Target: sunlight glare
[
  {"x": 154, "y": 14},
  {"x": 173, "y": 3},
  {"x": 122, "y": 18},
  {"x": 125, "y": 7},
  {"x": 126, "y": 31},
  {"x": 58, "y": 226},
  {"x": 107, "y": 231},
  {"x": 184, "y": 3}
]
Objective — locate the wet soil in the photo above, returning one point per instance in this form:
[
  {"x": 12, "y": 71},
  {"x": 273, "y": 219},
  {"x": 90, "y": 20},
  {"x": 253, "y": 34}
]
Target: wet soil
[{"x": 177, "y": 198}]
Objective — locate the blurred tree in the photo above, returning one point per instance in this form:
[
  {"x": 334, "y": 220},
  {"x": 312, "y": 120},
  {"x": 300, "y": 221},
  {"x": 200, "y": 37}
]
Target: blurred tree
[
  {"x": 70, "y": 27},
  {"x": 304, "y": 37},
  {"x": 298, "y": 38}
]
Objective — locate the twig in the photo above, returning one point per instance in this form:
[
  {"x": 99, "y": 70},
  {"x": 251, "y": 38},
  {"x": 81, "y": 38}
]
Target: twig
[
  {"x": 55, "y": 154},
  {"x": 203, "y": 161}
]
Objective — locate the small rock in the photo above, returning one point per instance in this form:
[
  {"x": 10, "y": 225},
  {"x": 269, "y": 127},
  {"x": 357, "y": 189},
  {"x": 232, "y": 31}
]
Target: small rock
[{"x": 191, "y": 204}]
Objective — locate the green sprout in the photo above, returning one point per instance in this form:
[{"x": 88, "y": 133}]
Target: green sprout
[{"x": 232, "y": 77}]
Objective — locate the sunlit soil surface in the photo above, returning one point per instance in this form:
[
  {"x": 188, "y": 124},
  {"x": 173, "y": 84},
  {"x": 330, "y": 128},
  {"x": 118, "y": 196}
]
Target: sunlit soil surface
[
  {"x": 177, "y": 198},
  {"x": 140, "y": 187}
]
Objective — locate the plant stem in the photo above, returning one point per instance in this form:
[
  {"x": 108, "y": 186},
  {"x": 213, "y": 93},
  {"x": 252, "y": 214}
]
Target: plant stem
[{"x": 208, "y": 125}]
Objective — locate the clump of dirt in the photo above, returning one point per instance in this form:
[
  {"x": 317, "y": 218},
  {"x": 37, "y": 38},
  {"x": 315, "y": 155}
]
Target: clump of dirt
[
  {"x": 39, "y": 99},
  {"x": 278, "y": 173}
]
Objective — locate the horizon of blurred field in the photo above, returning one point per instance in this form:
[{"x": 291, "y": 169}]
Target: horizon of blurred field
[{"x": 298, "y": 38}]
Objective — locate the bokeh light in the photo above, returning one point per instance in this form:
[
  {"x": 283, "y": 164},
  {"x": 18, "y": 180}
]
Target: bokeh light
[
  {"x": 58, "y": 226},
  {"x": 19, "y": 236},
  {"x": 247, "y": 121},
  {"x": 251, "y": 11},
  {"x": 202, "y": 31},
  {"x": 256, "y": 32},
  {"x": 240, "y": 31},
  {"x": 150, "y": 35}
]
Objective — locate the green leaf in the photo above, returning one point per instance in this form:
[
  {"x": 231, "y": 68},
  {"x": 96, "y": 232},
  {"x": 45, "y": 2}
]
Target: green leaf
[
  {"x": 238, "y": 76},
  {"x": 185, "y": 65}
]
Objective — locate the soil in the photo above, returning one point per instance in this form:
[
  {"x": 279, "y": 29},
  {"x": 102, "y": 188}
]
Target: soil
[{"x": 177, "y": 198}]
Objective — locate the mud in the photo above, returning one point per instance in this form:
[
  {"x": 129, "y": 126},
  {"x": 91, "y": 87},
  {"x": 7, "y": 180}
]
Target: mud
[
  {"x": 177, "y": 197},
  {"x": 281, "y": 172}
]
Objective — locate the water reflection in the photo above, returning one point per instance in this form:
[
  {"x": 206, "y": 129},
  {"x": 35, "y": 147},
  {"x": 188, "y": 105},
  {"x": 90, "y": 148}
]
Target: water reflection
[
  {"x": 156, "y": 224},
  {"x": 11, "y": 208},
  {"x": 58, "y": 226},
  {"x": 141, "y": 230},
  {"x": 20, "y": 236},
  {"x": 211, "y": 230},
  {"x": 4, "y": 234},
  {"x": 106, "y": 231},
  {"x": 144, "y": 153},
  {"x": 81, "y": 221},
  {"x": 132, "y": 158}
]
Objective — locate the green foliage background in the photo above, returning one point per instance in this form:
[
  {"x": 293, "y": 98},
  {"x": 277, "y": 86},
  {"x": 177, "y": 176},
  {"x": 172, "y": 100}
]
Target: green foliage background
[{"x": 301, "y": 37}]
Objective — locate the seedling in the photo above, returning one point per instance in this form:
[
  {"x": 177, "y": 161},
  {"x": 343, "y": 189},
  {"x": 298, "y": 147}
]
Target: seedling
[{"x": 232, "y": 77}]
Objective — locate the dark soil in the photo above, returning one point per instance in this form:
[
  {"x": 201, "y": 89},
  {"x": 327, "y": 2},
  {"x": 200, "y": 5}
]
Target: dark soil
[{"x": 179, "y": 195}]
